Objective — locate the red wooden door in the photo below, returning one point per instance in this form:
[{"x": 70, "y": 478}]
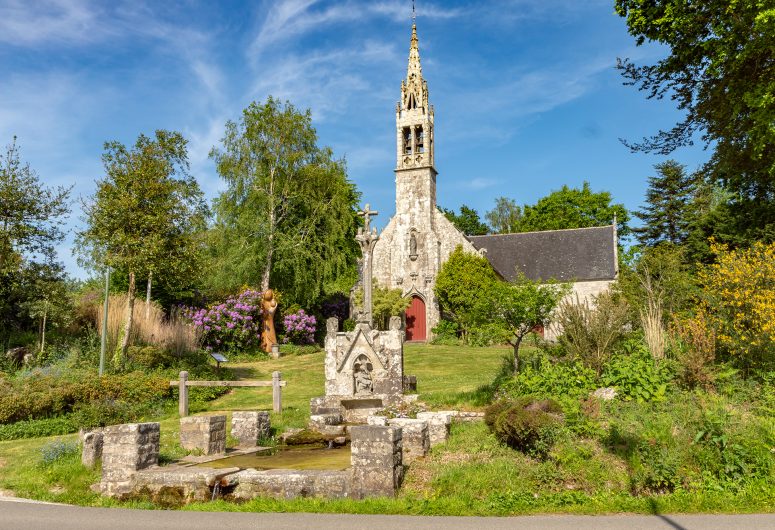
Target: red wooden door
[{"x": 415, "y": 320}]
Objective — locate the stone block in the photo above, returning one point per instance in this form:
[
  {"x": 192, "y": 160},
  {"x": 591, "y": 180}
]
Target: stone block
[
  {"x": 250, "y": 426},
  {"x": 127, "y": 449},
  {"x": 92, "y": 443},
  {"x": 439, "y": 424},
  {"x": 378, "y": 421},
  {"x": 416, "y": 441},
  {"x": 377, "y": 460},
  {"x": 290, "y": 483},
  {"x": 206, "y": 433}
]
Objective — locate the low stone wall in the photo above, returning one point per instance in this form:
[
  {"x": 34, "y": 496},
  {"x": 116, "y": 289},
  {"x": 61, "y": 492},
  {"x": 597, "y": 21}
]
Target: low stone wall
[
  {"x": 250, "y": 426},
  {"x": 206, "y": 433},
  {"x": 290, "y": 483},
  {"x": 131, "y": 452},
  {"x": 174, "y": 485},
  {"x": 127, "y": 449}
]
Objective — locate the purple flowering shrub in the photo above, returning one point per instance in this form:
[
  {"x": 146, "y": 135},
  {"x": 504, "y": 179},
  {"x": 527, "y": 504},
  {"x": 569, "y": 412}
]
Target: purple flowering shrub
[
  {"x": 232, "y": 325},
  {"x": 299, "y": 328}
]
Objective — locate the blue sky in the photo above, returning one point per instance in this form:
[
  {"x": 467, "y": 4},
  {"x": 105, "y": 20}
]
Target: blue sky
[{"x": 525, "y": 91}]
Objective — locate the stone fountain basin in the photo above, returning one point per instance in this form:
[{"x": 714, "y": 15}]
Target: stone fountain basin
[{"x": 304, "y": 457}]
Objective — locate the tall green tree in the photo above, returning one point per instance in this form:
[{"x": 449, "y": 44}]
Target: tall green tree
[
  {"x": 574, "y": 208},
  {"x": 288, "y": 216},
  {"x": 461, "y": 287},
  {"x": 31, "y": 218},
  {"x": 31, "y": 214},
  {"x": 720, "y": 70},
  {"x": 668, "y": 215},
  {"x": 505, "y": 217},
  {"x": 467, "y": 221},
  {"x": 146, "y": 216}
]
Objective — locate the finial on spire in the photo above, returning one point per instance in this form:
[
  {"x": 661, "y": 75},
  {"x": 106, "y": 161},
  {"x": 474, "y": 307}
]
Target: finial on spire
[{"x": 414, "y": 15}]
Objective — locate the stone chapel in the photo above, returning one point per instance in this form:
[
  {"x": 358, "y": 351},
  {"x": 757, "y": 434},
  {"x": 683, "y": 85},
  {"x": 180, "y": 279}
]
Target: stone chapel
[{"x": 418, "y": 239}]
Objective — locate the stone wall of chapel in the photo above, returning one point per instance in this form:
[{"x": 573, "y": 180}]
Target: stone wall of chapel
[
  {"x": 584, "y": 292},
  {"x": 436, "y": 238}
]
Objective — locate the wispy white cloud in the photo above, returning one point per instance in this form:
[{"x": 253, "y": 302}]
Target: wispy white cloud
[
  {"x": 516, "y": 98},
  {"x": 33, "y": 23},
  {"x": 289, "y": 19}
]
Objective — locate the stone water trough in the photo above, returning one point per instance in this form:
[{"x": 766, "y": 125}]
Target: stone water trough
[{"x": 379, "y": 452}]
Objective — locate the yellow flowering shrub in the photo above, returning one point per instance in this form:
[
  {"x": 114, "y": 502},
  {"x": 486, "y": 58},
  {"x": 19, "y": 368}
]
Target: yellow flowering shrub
[{"x": 740, "y": 300}]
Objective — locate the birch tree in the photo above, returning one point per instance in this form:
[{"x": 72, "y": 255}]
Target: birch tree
[{"x": 287, "y": 218}]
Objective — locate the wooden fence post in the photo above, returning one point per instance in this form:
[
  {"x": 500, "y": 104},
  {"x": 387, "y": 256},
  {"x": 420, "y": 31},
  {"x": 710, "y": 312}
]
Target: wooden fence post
[
  {"x": 276, "y": 391},
  {"x": 183, "y": 395}
]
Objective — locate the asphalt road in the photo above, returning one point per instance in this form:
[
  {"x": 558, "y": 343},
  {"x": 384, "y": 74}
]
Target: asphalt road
[{"x": 18, "y": 514}]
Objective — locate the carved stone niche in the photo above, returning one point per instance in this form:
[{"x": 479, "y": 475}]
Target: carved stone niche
[
  {"x": 413, "y": 245},
  {"x": 362, "y": 380}
]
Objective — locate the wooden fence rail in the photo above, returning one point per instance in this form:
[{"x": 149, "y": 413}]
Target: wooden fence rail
[{"x": 183, "y": 383}]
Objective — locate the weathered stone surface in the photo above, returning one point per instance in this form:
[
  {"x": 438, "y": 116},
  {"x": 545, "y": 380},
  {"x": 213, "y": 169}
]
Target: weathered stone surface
[
  {"x": 464, "y": 415},
  {"x": 91, "y": 444},
  {"x": 127, "y": 449},
  {"x": 416, "y": 442},
  {"x": 206, "y": 433},
  {"x": 290, "y": 483},
  {"x": 377, "y": 460},
  {"x": 364, "y": 363},
  {"x": 175, "y": 486},
  {"x": 377, "y": 421},
  {"x": 320, "y": 421},
  {"x": 250, "y": 426},
  {"x": 439, "y": 424}
]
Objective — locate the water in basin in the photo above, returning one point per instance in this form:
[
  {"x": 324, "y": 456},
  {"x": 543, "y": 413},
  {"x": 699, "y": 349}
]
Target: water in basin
[{"x": 294, "y": 457}]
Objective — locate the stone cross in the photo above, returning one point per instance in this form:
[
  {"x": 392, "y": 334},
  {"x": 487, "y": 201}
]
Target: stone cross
[{"x": 367, "y": 238}]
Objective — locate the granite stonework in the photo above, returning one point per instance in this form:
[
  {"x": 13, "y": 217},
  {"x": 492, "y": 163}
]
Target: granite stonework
[
  {"x": 416, "y": 442},
  {"x": 176, "y": 485},
  {"x": 91, "y": 447},
  {"x": 127, "y": 449},
  {"x": 290, "y": 483},
  {"x": 250, "y": 426},
  {"x": 439, "y": 424},
  {"x": 131, "y": 471},
  {"x": 204, "y": 433},
  {"x": 364, "y": 373},
  {"x": 377, "y": 461},
  {"x": 419, "y": 238}
]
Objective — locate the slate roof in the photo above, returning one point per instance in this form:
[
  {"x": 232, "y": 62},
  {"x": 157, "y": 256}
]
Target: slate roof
[{"x": 577, "y": 254}]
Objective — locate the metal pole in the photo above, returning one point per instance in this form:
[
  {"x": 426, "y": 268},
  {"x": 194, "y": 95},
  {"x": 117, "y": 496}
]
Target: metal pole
[{"x": 104, "y": 342}]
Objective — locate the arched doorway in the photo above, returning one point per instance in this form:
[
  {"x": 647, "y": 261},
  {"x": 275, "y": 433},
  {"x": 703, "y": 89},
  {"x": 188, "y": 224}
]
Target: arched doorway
[{"x": 415, "y": 320}]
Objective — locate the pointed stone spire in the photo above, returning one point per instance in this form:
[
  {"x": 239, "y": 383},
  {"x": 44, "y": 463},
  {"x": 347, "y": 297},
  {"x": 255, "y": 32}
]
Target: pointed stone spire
[{"x": 414, "y": 69}]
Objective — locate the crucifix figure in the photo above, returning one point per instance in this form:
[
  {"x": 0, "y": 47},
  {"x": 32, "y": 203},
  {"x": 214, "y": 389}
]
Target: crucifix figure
[{"x": 367, "y": 237}]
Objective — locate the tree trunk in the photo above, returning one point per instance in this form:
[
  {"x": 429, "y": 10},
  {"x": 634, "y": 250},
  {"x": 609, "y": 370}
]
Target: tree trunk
[
  {"x": 516, "y": 344},
  {"x": 269, "y": 253},
  {"x": 130, "y": 310},
  {"x": 148, "y": 297},
  {"x": 43, "y": 328}
]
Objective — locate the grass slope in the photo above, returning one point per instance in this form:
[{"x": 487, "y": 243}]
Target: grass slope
[{"x": 470, "y": 475}]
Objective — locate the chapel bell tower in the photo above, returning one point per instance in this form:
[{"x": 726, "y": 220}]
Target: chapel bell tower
[{"x": 415, "y": 171}]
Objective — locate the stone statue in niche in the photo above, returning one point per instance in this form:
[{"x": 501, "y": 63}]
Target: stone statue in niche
[
  {"x": 413, "y": 247},
  {"x": 362, "y": 369}
]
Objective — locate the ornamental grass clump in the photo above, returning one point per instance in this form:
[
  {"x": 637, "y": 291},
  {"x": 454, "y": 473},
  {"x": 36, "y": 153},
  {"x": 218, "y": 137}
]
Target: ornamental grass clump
[
  {"x": 299, "y": 328},
  {"x": 232, "y": 325}
]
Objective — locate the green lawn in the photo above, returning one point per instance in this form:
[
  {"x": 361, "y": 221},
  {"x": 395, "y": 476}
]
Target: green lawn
[{"x": 471, "y": 474}]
